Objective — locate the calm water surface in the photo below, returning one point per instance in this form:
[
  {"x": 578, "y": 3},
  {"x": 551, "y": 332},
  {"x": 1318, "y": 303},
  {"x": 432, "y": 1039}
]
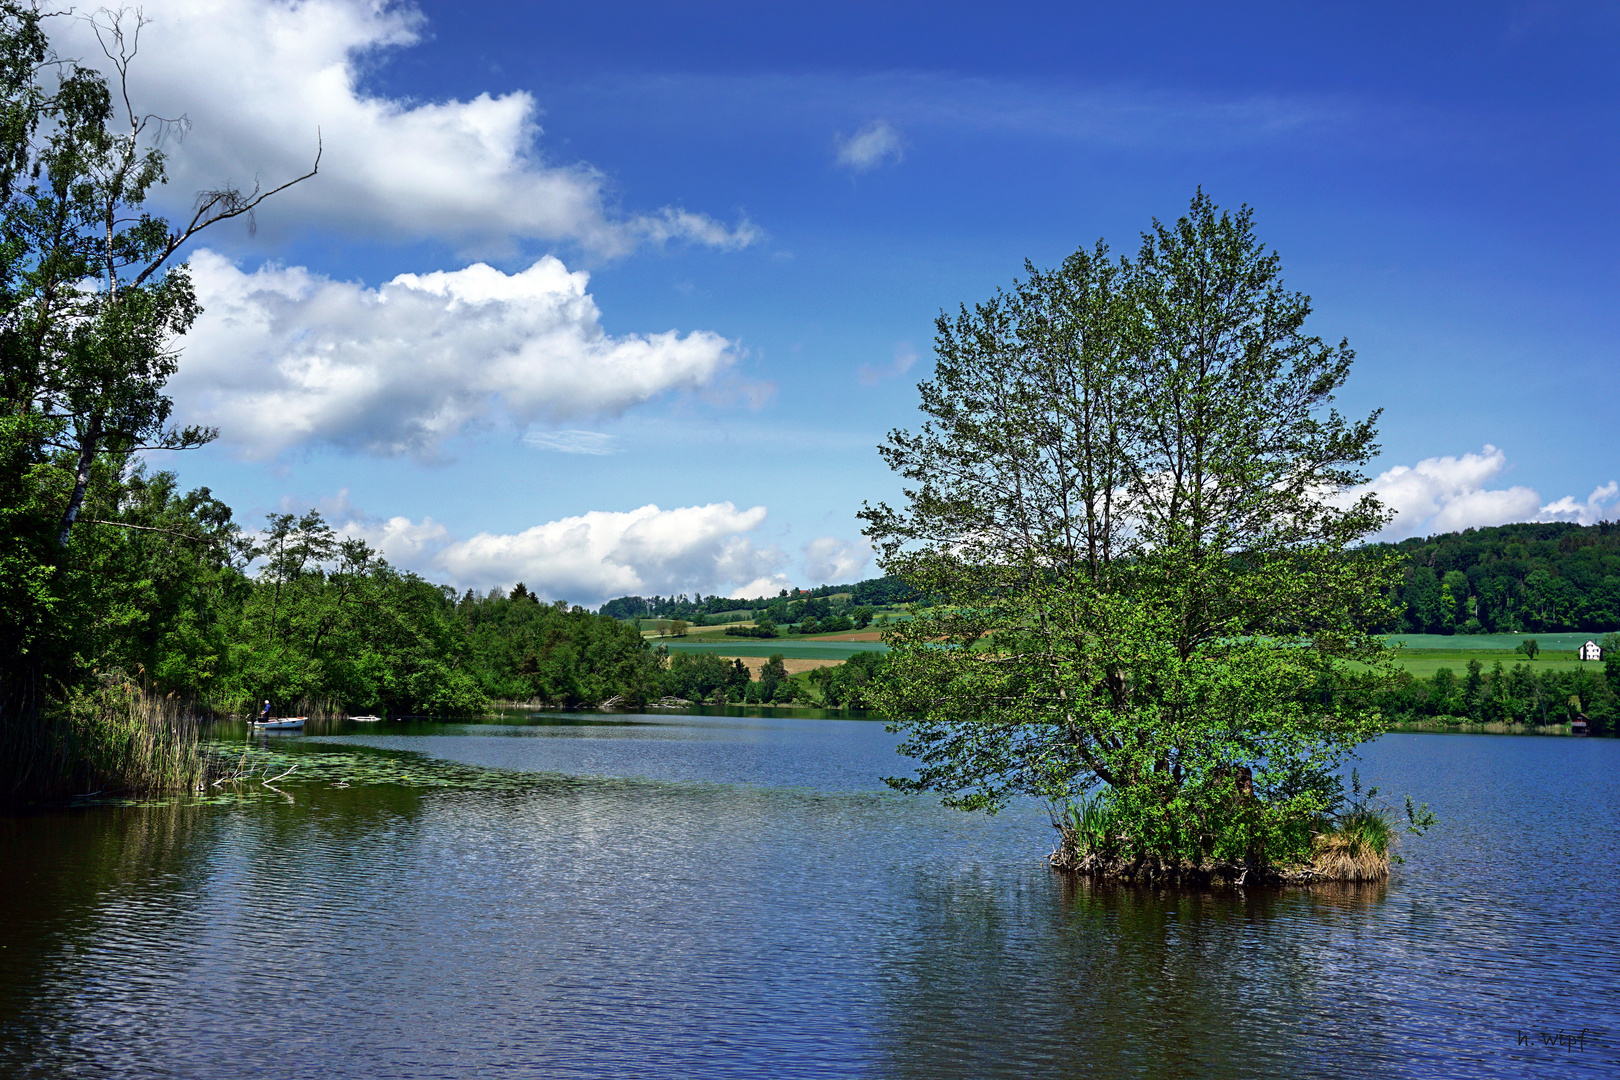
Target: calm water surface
[{"x": 735, "y": 896}]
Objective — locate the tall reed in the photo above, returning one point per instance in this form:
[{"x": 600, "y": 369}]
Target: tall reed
[
  {"x": 1086, "y": 828},
  {"x": 122, "y": 739},
  {"x": 1355, "y": 845}
]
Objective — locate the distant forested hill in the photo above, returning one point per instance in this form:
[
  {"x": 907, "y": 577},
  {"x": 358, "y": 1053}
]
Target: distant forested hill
[
  {"x": 874, "y": 592},
  {"x": 1529, "y": 577}
]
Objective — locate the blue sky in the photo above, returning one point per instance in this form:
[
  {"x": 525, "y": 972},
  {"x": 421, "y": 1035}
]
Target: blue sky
[{"x": 796, "y": 191}]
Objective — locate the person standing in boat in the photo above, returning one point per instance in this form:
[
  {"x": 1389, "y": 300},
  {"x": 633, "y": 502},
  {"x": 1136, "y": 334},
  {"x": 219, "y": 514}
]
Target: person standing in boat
[{"x": 264, "y": 713}]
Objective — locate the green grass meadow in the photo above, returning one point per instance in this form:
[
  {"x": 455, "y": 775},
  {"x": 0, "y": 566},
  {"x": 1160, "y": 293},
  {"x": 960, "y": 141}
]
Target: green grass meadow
[
  {"x": 1423, "y": 663},
  {"x": 1421, "y": 654},
  {"x": 1424, "y": 654},
  {"x": 1550, "y": 643}
]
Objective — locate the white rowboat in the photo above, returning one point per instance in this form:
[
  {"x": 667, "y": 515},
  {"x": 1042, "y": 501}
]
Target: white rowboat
[
  {"x": 366, "y": 719},
  {"x": 286, "y": 723}
]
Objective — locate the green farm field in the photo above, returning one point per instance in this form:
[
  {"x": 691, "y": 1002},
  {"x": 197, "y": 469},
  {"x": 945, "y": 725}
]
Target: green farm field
[
  {"x": 1421, "y": 654},
  {"x": 1423, "y": 663},
  {"x": 1550, "y": 643},
  {"x": 790, "y": 648},
  {"x": 1424, "y": 654}
]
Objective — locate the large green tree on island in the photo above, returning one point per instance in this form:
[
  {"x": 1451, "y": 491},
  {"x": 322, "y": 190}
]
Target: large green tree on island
[{"x": 1127, "y": 495}]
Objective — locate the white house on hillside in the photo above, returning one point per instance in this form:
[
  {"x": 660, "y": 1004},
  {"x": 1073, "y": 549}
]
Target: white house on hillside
[{"x": 1590, "y": 651}]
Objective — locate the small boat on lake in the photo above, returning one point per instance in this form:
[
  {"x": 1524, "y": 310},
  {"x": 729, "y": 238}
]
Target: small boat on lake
[
  {"x": 285, "y": 723},
  {"x": 366, "y": 719}
]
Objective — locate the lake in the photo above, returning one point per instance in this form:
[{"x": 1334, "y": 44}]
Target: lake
[{"x": 682, "y": 895}]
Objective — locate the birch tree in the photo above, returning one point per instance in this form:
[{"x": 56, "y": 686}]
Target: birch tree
[{"x": 94, "y": 302}]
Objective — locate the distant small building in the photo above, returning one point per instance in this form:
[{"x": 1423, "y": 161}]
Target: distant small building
[{"x": 1590, "y": 651}]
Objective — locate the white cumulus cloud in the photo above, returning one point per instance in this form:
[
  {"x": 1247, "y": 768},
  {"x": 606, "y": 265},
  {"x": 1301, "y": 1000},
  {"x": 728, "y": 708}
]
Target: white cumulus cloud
[
  {"x": 1450, "y": 494},
  {"x": 285, "y": 355},
  {"x": 594, "y": 556},
  {"x": 403, "y": 542},
  {"x": 259, "y": 78},
  {"x": 1589, "y": 512},
  {"x": 751, "y": 571},
  {"x": 831, "y": 561},
  {"x": 871, "y": 146}
]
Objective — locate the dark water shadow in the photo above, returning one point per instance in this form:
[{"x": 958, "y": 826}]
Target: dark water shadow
[{"x": 1066, "y": 977}]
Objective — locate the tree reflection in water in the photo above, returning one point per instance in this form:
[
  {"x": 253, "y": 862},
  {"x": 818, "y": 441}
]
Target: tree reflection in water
[{"x": 1092, "y": 979}]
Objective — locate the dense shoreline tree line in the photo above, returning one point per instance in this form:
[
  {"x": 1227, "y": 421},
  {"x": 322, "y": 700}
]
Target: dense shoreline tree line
[
  {"x": 92, "y": 302},
  {"x": 187, "y": 602},
  {"x": 788, "y": 606},
  {"x": 314, "y": 621},
  {"x": 1530, "y": 577},
  {"x": 1525, "y": 694}
]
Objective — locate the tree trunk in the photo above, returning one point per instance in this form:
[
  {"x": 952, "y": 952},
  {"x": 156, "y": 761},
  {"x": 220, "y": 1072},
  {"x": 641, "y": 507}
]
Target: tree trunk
[{"x": 88, "y": 443}]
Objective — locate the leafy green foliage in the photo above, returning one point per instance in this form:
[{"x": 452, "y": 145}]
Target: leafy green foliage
[
  {"x": 706, "y": 677},
  {"x": 521, "y": 649},
  {"x": 1545, "y": 577},
  {"x": 327, "y": 623},
  {"x": 848, "y": 685},
  {"x": 1521, "y": 694},
  {"x": 1124, "y": 492},
  {"x": 156, "y": 567}
]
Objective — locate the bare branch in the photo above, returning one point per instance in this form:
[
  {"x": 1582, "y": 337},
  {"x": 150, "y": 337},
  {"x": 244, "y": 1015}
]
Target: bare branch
[
  {"x": 127, "y": 48},
  {"x": 216, "y": 206},
  {"x": 153, "y": 528}
]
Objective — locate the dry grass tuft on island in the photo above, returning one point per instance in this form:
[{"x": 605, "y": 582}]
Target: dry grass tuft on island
[
  {"x": 1351, "y": 854},
  {"x": 1335, "y": 857}
]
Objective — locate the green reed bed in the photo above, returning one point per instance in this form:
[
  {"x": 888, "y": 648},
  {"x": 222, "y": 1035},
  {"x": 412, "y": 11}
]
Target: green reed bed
[
  {"x": 112, "y": 738},
  {"x": 122, "y": 739}
]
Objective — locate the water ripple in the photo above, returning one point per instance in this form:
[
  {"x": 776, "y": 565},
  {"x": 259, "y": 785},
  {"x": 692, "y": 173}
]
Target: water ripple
[{"x": 714, "y": 898}]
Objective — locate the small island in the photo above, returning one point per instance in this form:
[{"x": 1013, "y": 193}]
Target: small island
[{"x": 1140, "y": 521}]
